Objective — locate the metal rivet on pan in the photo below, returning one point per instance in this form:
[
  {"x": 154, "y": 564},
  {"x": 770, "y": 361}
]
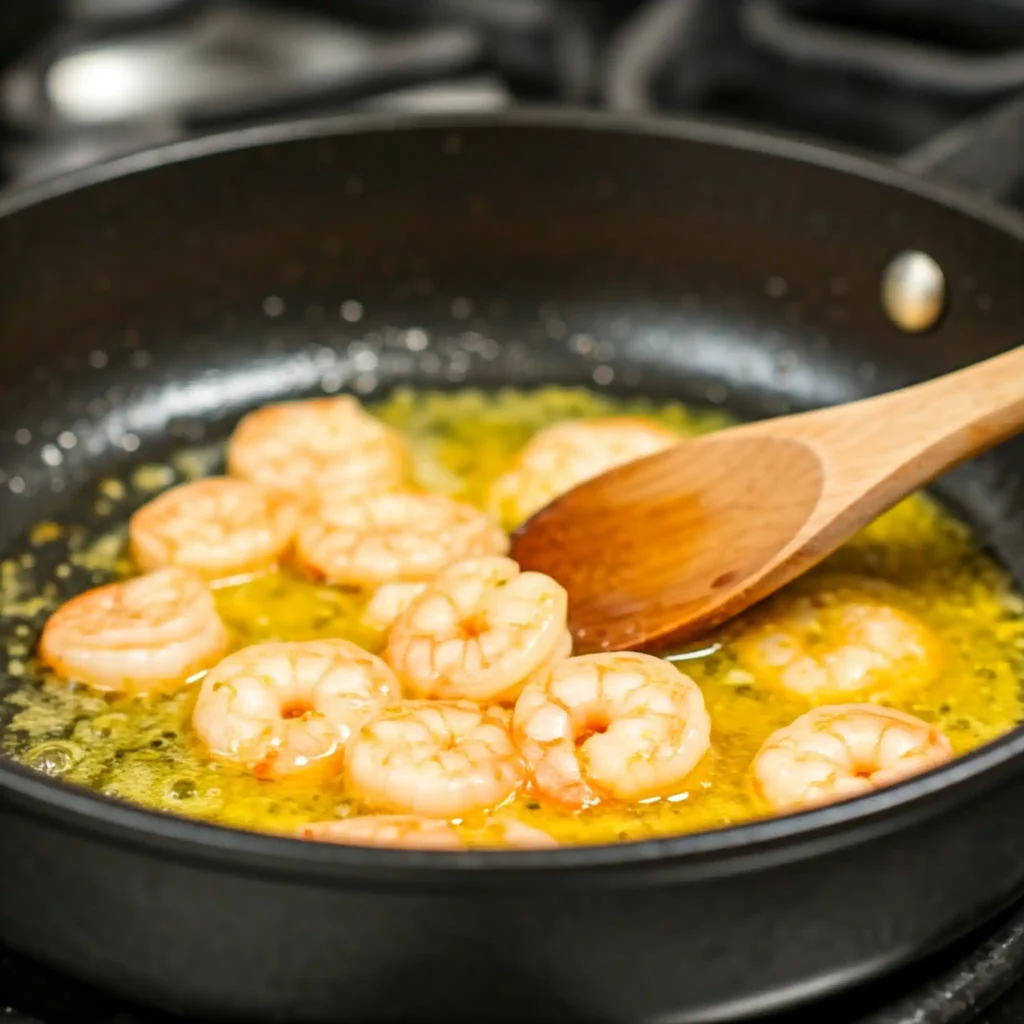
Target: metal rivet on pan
[{"x": 913, "y": 291}]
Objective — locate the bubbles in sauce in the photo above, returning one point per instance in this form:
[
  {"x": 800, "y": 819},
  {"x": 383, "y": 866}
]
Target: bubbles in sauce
[{"x": 142, "y": 750}]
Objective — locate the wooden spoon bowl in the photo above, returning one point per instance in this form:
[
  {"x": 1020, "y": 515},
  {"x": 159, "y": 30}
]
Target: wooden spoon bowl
[{"x": 660, "y": 550}]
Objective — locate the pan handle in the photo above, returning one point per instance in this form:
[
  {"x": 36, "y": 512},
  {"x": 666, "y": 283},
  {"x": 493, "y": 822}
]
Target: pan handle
[{"x": 983, "y": 155}]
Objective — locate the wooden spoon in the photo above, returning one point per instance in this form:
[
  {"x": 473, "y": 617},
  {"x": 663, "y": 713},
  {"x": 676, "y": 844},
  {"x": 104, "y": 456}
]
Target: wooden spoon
[{"x": 658, "y": 551}]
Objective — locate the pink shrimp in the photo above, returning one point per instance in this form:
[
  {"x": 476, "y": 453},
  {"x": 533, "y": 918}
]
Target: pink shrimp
[
  {"x": 620, "y": 726},
  {"x": 844, "y": 750},
  {"x": 149, "y": 634}
]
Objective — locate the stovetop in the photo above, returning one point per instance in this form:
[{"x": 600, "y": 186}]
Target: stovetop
[{"x": 86, "y": 80}]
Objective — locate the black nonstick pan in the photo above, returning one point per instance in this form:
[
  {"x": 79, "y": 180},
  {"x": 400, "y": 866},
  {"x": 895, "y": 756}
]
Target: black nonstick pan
[{"x": 158, "y": 298}]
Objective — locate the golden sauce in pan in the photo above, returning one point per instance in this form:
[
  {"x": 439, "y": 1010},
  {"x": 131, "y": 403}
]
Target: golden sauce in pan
[{"x": 916, "y": 559}]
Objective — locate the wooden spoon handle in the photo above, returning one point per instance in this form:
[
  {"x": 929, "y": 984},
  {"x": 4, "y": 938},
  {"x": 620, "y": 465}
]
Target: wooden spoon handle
[
  {"x": 918, "y": 432},
  {"x": 978, "y": 406}
]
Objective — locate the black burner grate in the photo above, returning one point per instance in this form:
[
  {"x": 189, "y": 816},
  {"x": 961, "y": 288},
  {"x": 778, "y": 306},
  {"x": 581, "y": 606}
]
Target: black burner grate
[{"x": 882, "y": 75}]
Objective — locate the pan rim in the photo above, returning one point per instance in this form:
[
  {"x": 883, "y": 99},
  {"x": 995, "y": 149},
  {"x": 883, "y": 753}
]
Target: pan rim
[
  {"x": 724, "y": 135},
  {"x": 734, "y": 849}
]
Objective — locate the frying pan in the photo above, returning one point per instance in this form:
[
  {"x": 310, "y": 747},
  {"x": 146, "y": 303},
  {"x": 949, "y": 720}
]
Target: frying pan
[{"x": 154, "y": 300}]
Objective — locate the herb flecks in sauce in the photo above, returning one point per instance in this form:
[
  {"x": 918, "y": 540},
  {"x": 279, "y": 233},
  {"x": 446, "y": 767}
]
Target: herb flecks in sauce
[{"x": 141, "y": 750}]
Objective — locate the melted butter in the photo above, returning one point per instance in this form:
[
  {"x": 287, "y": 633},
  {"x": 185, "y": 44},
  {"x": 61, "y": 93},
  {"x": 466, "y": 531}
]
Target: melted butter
[{"x": 916, "y": 557}]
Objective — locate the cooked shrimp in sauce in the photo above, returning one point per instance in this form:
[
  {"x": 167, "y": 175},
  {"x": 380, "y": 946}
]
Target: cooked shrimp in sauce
[
  {"x": 479, "y": 631},
  {"x": 297, "y": 448},
  {"x": 416, "y": 832},
  {"x": 498, "y": 832},
  {"x": 150, "y": 634},
  {"x": 443, "y": 759},
  {"x": 826, "y": 649},
  {"x": 218, "y": 527},
  {"x": 411, "y": 831},
  {"x": 611, "y": 726},
  {"x": 844, "y": 750},
  {"x": 283, "y": 708},
  {"x": 330, "y": 642},
  {"x": 565, "y": 455},
  {"x": 386, "y": 538},
  {"x": 389, "y": 602}
]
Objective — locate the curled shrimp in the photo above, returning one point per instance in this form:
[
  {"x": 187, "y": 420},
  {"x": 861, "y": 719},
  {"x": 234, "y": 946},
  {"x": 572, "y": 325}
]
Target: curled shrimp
[
  {"x": 281, "y": 708},
  {"x": 620, "y": 726},
  {"x": 400, "y": 536},
  {"x": 478, "y": 631},
  {"x": 411, "y": 831},
  {"x": 559, "y": 457},
  {"x": 297, "y": 447},
  {"x": 416, "y": 832},
  {"x": 822, "y": 648},
  {"x": 218, "y": 527},
  {"x": 150, "y": 634},
  {"x": 443, "y": 759},
  {"x": 840, "y": 751},
  {"x": 389, "y": 602},
  {"x": 508, "y": 833}
]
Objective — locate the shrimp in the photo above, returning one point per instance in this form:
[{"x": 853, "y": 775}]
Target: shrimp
[
  {"x": 150, "y": 634},
  {"x": 822, "y": 649},
  {"x": 479, "y": 630},
  {"x": 281, "y": 708},
  {"x": 219, "y": 527},
  {"x": 296, "y": 447},
  {"x": 389, "y": 602},
  {"x": 844, "y": 750},
  {"x": 416, "y": 832},
  {"x": 561, "y": 456},
  {"x": 443, "y": 759},
  {"x": 412, "y": 831},
  {"x": 508, "y": 833},
  {"x": 622, "y": 726},
  {"x": 385, "y": 538}
]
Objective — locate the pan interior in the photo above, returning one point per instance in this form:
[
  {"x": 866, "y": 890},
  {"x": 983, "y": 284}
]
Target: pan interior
[{"x": 526, "y": 257}]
